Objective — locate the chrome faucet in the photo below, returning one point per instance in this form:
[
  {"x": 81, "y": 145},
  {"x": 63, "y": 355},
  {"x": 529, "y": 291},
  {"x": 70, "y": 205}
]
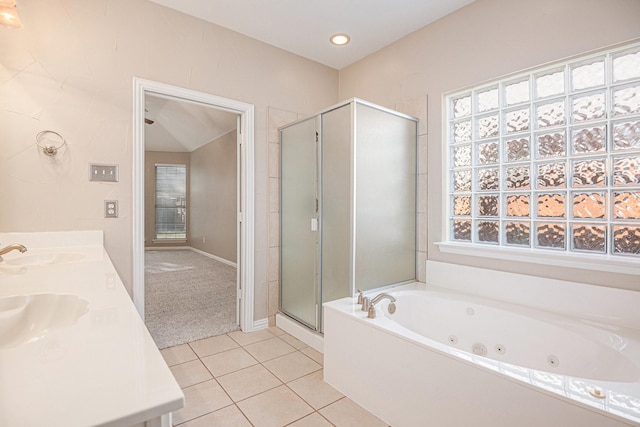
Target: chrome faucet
[
  {"x": 392, "y": 306},
  {"x": 14, "y": 247},
  {"x": 364, "y": 301}
]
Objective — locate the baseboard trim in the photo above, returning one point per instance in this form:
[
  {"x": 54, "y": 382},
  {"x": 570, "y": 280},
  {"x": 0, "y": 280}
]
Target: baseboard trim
[
  {"x": 217, "y": 258},
  {"x": 260, "y": 324},
  {"x": 304, "y": 334},
  {"x": 167, "y": 248}
]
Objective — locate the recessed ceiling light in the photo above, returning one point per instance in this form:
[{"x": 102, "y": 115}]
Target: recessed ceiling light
[{"x": 340, "y": 39}]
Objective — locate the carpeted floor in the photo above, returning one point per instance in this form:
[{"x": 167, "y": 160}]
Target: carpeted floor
[{"x": 188, "y": 297}]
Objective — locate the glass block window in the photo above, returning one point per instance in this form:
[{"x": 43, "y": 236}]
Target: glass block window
[
  {"x": 171, "y": 202},
  {"x": 549, "y": 159}
]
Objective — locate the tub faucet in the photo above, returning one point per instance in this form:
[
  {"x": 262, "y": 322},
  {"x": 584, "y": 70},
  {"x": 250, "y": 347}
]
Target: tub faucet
[
  {"x": 14, "y": 247},
  {"x": 365, "y": 302},
  {"x": 392, "y": 306}
]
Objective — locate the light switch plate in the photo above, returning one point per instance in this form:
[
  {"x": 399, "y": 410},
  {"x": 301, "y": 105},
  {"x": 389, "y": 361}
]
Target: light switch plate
[
  {"x": 103, "y": 173},
  {"x": 111, "y": 209}
]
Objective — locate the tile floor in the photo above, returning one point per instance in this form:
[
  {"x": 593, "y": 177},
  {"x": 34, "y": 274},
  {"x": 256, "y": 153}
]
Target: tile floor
[{"x": 265, "y": 378}]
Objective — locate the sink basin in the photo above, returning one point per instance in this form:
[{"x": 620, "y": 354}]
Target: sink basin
[
  {"x": 40, "y": 259},
  {"x": 27, "y": 318}
]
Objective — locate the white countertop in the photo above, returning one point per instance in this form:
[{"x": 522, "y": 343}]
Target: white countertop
[{"x": 102, "y": 370}]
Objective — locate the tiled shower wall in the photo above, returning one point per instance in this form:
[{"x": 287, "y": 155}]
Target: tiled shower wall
[{"x": 416, "y": 107}]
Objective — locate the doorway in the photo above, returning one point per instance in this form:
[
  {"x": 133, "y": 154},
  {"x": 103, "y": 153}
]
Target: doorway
[{"x": 144, "y": 91}]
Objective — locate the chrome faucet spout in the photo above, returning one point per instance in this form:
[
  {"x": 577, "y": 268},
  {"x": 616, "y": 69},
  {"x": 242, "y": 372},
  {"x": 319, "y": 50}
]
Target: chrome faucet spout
[
  {"x": 382, "y": 296},
  {"x": 372, "y": 310},
  {"x": 13, "y": 247}
]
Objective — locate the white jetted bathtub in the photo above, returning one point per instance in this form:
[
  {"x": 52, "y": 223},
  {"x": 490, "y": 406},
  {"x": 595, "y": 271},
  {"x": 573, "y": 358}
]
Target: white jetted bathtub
[{"x": 446, "y": 357}]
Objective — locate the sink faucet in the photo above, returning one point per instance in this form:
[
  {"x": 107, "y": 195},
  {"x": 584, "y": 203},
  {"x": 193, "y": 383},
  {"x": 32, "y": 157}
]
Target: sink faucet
[
  {"x": 14, "y": 247},
  {"x": 392, "y": 306}
]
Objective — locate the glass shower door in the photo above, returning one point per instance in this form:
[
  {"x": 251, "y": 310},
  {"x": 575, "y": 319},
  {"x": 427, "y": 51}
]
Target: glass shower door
[{"x": 299, "y": 222}]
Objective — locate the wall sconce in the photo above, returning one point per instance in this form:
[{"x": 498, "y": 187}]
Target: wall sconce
[{"x": 9, "y": 14}]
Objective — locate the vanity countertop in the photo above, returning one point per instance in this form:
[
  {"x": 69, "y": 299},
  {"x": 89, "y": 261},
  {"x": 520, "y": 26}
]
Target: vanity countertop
[{"x": 87, "y": 358}]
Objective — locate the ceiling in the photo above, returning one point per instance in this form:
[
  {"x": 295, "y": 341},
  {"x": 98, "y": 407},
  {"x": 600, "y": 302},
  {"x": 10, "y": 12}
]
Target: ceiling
[
  {"x": 181, "y": 126},
  {"x": 304, "y": 26}
]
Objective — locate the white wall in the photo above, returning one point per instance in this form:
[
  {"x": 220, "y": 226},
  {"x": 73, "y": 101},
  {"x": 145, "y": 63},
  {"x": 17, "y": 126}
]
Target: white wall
[
  {"x": 71, "y": 68},
  {"x": 213, "y": 212},
  {"x": 482, "y": 41}
]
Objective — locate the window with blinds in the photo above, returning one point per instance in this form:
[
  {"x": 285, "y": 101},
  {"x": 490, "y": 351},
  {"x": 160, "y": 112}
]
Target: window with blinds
[{"x": 171, "y": 202}]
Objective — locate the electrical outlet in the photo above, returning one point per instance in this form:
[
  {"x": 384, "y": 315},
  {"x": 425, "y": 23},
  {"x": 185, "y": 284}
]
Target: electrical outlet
[
  {"x": 103, "y": 173},
  {"x": 111, "y": 209}
]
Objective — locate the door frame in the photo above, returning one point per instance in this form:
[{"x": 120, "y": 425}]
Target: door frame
[{"x": 246, "y": 148}]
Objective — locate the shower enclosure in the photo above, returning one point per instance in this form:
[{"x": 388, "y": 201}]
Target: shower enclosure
[{"x": 347, "y": 206}]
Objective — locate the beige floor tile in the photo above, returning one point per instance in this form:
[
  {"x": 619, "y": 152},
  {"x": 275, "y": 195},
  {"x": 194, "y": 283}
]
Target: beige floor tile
[
  {"x": 274, "y": 408},
  {"x": 313, "y": 420},
  {"x": 346, "y": 413},
  {"x": 209, "y": 346},
  {"x": 228, "y": 361},
  {"x": 244, "y": 338},
  {"x": 292, "y": 341},
  {"x": 225, "y": 417},
  {"x": 269, "y": 349},
  {"x": 248, "y": 382},
  {"x": 201, "y": 399},
  {"x": 275, "y": 330},
  {"x": 314, "y": 354},
  {"x": 314, "y": 390},
  {"x": 178, "y": 354},
  {"x": 291, "y": 366},
  {"x": 190, "y": 373}
]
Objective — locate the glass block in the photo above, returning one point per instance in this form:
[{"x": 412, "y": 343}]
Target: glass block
[
  {"x": 488, "y": 231},
  {"x": 589, "y": 205},
  {"x": 515, "y": 93},
  {"x": 488, "y": 100},
  {"x": 518, "y": 205},
  {"x": 589, "y": 237},
  {"x": 462, "y": 156},
  {"x": 462, "y": 180},
  {"x": 626, "y": 170},
  {"x": 518, "y": 233},
  {"x": 488, "y": 179},
  {"x": 588, "y": 75},
  {"x": 550, "y": 235},
  {"x": 626, "y": 66},
  {"x": 551, "y": 205},
  {"x": 462, "y": 230},
  {"x": 488, "y": 205},
  {"x": 550, "y": 84},
  {"x": 488, "y": 153},
  {"x": 626, "y": 204},
  {"x": 551, "y": 145},
  {"x": 462, "y": 131},
  {"x": 518, "y": 149},
  {"x": 550, "y": 114},
  {"x": 626, "y": 100},
  {"x": 488, "y": 126},
  {"x": 462, "y": 106},
  {"x": 517, "y": 121},
  {"x": 589, "y": 172},
  {"x": 589, "y": 140},
  {"x": 626, "y": 239},
  {"x": 588, "y": 107},
  {"x": 517, "y": 177},
  {"x": 626, "y": 135},
  {"x": 461, "y": 205},
  {"x": 551, "y": 175}
]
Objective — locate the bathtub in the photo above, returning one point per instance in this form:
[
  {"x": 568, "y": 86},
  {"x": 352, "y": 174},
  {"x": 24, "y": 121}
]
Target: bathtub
[{"x": 449, "y": 357}]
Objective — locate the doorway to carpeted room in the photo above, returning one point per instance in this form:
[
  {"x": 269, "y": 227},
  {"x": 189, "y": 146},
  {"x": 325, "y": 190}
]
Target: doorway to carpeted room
[{"x": 188, "y": 296}]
